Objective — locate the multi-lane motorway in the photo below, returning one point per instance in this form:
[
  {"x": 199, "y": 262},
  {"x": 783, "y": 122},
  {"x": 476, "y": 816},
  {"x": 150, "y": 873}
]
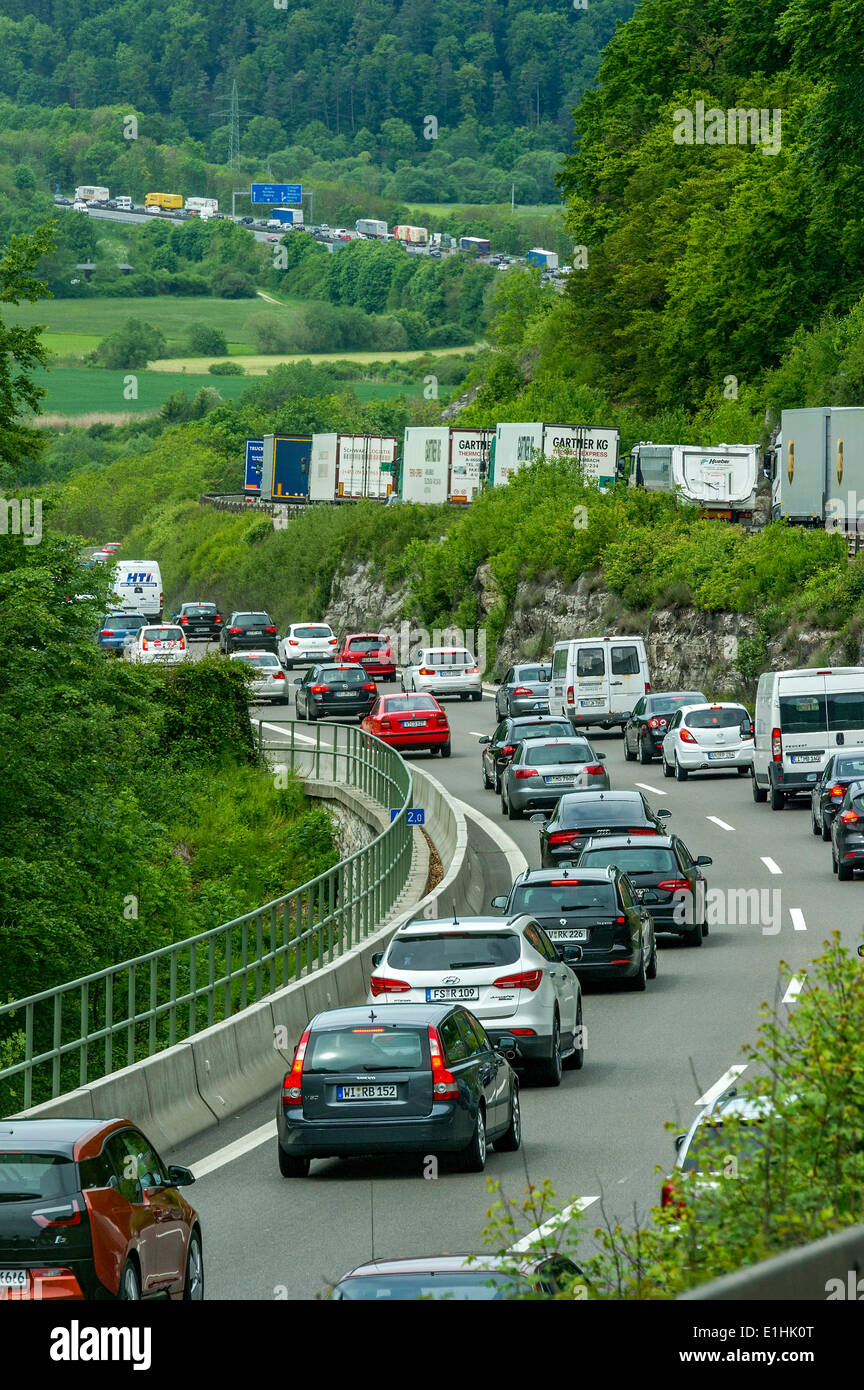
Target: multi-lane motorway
[{"x": 650, "y": 1057}]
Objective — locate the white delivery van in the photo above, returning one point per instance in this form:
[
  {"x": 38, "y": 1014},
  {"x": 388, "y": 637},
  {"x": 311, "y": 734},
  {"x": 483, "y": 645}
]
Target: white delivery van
[
  {"x": 801, "y": 717},
  {"x": 597, "y": 680},
  {"x": 138, "y": 588}
]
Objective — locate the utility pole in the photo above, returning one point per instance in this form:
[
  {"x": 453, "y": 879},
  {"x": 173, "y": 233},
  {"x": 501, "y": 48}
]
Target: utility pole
[
  {"x": 512, "y": 195},
  {"x": 234, "y": 128}
]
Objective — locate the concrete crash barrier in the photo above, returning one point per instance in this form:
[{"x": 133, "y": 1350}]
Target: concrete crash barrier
[
  {"x": 826, "y": 1270},
  {"x": 74, "y": 1105}
]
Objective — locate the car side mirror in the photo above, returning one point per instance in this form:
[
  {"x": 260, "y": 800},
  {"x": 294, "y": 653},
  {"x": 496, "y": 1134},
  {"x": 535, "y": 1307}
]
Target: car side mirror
[
  {"x": 298, "y": 680},
  {"x": 377, "y": 959},
  {"x": 179, "y": 1177},
  {"x": 601, "y": 756},
  {"x": 540, "y": 818},
  {"x": 704, "y": 859},
  {"x": 663, "y": 812},
  {"x": 680, "y": 1140},
  {"x": 500, "y": 903},
  {"x": 487, "y": 738}
]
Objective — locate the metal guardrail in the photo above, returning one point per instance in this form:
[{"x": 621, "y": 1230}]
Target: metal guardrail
[{"x": 94, "y": 1025}]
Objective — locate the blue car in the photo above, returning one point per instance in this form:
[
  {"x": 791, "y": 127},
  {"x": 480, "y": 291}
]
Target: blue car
[{"x": 116, "y": 627}]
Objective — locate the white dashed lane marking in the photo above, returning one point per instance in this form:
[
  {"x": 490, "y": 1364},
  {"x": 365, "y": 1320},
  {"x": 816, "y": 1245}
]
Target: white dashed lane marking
[
  {"x": 771, "y": 866},
  {"x": 797, "y": 919},
  {"x": 724, "y": 825},
  {"x": 726, "y": 1080}
]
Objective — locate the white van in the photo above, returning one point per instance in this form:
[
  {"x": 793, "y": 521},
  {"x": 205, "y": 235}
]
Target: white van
[
  {"x": 801, "y": 717},
  {"x": 138, "y": 587},
  {"x": 597, "y": 680}
]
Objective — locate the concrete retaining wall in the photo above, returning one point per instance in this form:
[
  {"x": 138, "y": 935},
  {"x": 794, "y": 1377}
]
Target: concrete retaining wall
[
  {"x": 798, "y": 1276},
  {"x": 213, "y": 1074}
]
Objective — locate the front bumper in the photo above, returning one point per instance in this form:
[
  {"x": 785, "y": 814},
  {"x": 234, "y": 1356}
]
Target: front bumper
[{"x": 448, "y": 1128}]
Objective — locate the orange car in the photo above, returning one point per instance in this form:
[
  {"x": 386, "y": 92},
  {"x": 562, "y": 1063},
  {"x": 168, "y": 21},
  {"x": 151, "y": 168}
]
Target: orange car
[
  {"x": 89, "y": 1210},
  {"x": 410, "y": 722}
]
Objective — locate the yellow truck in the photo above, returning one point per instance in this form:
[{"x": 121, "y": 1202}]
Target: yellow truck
[{"x": 168, "y": 202}]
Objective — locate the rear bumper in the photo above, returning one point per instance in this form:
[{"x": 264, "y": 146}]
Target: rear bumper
[
  {"x": 696, "y": 760},
  {"x": 529, "y": 705},
  {"x": 448, "y": 1128},
  {"x": 533, "y": 1049},
  {"x": 602, "y": 968},
  {"x": 457, "y": 686},
  {"x": 600, "y": 718},
  {"x": 333, "y": 708},
  {"x": 418, "y": 739}
]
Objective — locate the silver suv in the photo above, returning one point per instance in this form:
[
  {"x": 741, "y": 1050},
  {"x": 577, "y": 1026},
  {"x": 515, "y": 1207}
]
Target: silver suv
[{"x": 443, "y": 671}]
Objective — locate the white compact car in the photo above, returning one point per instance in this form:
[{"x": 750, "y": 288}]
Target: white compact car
[
  {"x": 306, "y": 642},
  {"x": 508, "y": 974},
  {"x": 443, "y": 671},
  {"x": 268, "y": 678},
  {"x": 155, "y": 645},
  {"x": 705, "y": 738}
]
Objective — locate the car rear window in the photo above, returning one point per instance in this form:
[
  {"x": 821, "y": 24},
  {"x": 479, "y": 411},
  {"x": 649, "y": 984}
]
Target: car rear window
[
  {"x": 563, "y": 897},
  {"x": 705, "y": 1151},
  {"x": 401, "y": 704},
  {"x": 264, "y": 659},
  {"x": 27, "y": 1177},
  {"x": 632, "y": 861},
  {"x": 581, "y": 810},
  {"x": 548, "y": 754},
  {"x": 531, "y": 673},
  {"x": 312, "y": 632},
  {"x": 803, "y": 714},
  {"x": 365, "y": 1048},
  {"x": 535, "y": 729},
  {"x": 849, "y": 767},
  {"x": 846, "y": 709},
  {"x": 454, "y": 658},
  {"x": 123, "y": 624},
  {"x": 454, "y": 951},
  {"x": 199, "y": 610},
  {"x": 716, "y": 718},
  {"x": 664, "y": 704},
  {"x": 252, "y": 620},
  {"x": 366, "y": 644},
  {"x": 458, "y": 1286},
  {"x": 349, "y": 675},
  {"x": 164, "y": 634}
]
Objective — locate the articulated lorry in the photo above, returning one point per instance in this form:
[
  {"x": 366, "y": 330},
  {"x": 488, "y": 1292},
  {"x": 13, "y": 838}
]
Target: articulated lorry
[
  {"x": 721, "y": 480},
  {"x": 817, "y": 472}
]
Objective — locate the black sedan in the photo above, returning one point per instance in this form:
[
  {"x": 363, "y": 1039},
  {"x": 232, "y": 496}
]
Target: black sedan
[
  {"x": 524, "y": 690},
  {"x": 329, "y": 691},
  {"x": 254, "y": 632},
  {"x": 847, "y": 833},
  {"x": 583, "y": 814},
  {"x": 648, "y": 724},
  {"x": 498, "y": 748},
  {"x": 665, "y": 875},
  {"x": 202, "y": 622},
  {"x": 829, "y": 791},
  {"x": 594, "y": 917},
  {"x": 415, "y": 1079}
]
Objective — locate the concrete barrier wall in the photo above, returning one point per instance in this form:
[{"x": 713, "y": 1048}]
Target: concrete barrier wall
[
  {"x": 831, "y": 1266},
  {"x": 213, "y": 1074}
]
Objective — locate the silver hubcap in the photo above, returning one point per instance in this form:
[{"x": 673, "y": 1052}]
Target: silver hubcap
[{"x": 196, "y": 1282}]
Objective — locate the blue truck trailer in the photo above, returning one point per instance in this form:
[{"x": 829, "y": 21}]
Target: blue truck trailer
[{"x": 285, "y": 467}]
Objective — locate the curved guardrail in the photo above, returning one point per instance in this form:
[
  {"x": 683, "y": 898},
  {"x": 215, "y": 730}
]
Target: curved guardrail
[{"x": 89, "y": 1027}]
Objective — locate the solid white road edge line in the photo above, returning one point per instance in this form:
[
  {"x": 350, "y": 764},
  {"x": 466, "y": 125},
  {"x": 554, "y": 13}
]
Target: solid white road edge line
[
  {"x": 516, "y": 861},
  {"x": 722, "y": 1085},
  {"x": 797, "y": 919},
  {"x": 220, "y": 1157},
  {"x": 770, "y": 865},
  {"x": 724, "y": 825},
  {"x": 552, "y": 1225}
]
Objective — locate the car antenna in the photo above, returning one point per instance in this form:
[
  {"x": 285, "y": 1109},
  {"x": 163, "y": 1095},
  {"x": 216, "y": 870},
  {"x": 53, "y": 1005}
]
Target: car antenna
[{"x": 455, "y": 918}]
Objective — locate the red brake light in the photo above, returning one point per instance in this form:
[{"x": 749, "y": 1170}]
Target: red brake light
[
  {"x": 525, "y": 979},
  {"x": 620, "y": 920},
  {"x": 593, "y": 768},
  {"x": 848, "y": 817},
  {"x": 508, "y": 750},
  {"x": 279, "y": 676},
  {"x": 569, "y": 694},
  {"x": 424, "y": 671},
  {"x": 562, "y": 837},
  {"x": 381, "y": 984},
  {"x": 526, "y": 772},
  {"x": 385, "y": 723},
  {"x": 332, "y": 641},
  {"x": 441, "y": 721},
  {"x": 217, "y": 619},
  {"x": 673, "y": 885},
  {"x": 370, "y": 685},
  {"x": 269, "y": 629},
  {"x": 656, "y": 722},
  {"x": 107, "y": 632},
  {"x": 444, "y": 1085},
  {"x": 837, "y": 790},
  {"x": 475, "y": 671},
  {"x": 642, "y": 830},
  {"x": 523, "y": 690},
  {"x": 291, "y": 1087},
  {"x": 686, "y": 736},
  {"x": 69, "y": 1214},
  {"x": 776, "y": 746},
  {"x": 233, "y": 630},
  {"x": 647, "y": 687},
  {"x": 319, "y": 689},
  {"x": 669, "y": 1197}
]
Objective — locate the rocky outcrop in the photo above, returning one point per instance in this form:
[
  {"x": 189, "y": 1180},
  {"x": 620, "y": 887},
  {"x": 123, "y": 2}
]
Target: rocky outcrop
[{"x": 360, "y": 601}]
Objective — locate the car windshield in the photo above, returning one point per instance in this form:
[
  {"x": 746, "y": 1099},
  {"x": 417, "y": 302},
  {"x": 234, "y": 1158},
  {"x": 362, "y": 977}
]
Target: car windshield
[
  {"x": 401, "y": 704},
  {"x": 477, "y": 1285},
  {"x": 124, "y": 623},
  {"x": 351, "y": 675},
  {"x": 664, "y": 704},
  {"x": 366, "y": 644},
  {"x": 454, "y": 951},
  {"x": 548, "y": 754},
  {"x": 637, "y": 860},
  {"x": 457, "y": 658},
  {"x": 31, "y": 1176},
  {"x": 717, "y": 718},
  {"x": 365, "y": 1048},
  {"x": 563, "y": 896},
  {"x": 535, "y": 729},
  {"x": 310, "y": 631},
  {"x": 163, "y": 634},
  {"x": 579, "y": 809},
  {"x": 531, "y": 673},
  {"x": 252, "y": 620}
]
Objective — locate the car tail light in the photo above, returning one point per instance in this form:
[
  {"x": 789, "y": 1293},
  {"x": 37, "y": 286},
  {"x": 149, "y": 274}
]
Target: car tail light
[
  {"x": 382, "y": 984},
  {"x": 837, "y": 790},
  {"x": 441, "y": 721},
  {"x": 69, "y": 1214},
  {"x": 522, "y": 772},
  {"x": 292, "y": 1093},
  {"x": 569, "y": 694},
  {"x": 161, "y": 602},
  {"x": 593, "y": 768},
  {"x": 475, "y": 671},
  {"x": 332, "y": 641},
  {"x": 217, "y": 619},
  {"x": 235, "y": 630},
  {"x": 656, "y": 722},
  {"x": 686, "y": 736},
  {"x": 385, "y": 723},
  {"x": 647, "y": 687},
  {"x": 776, "y": 746},
  {"x": 525, "y": 979},
  {"x": 319, "y": 689},
  {"x": 523, "y": 690},
  {"x": 182, "y": 644},
  {"x": 523, "y": 1032},
  {"x": 563, "y": 837},
  {"x": 292, "y": 641},
  {"x": 107, "y": 632},
  {"x": 424, "y": 671},
  {"x": 849, "y": 817},
  {"x": 508, "y": 750},
  {"x": 370, "y": 685},
  {"x": 669, "y": 1197},
  {"x": 620, "y": 920},
  {"x": 184, "y": 620},
  {"x": 269, "y": 629},
  {"x": 278, "y": 675},
  {"x": 444, "y": 1085},
  {"x": 641, "y": 830},
  {"x": 674, "y": 885}
]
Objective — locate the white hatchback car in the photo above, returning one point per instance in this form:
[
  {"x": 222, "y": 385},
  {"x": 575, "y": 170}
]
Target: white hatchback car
[
  {"x": 443, "y": 671},
  {"x": 307, "y": 642},
  {"x": 159, "y": 644},
  {"x": 705, "y": 738},
  {"x": 268, "y": 678},
  {"x": 508, "y": 974}
]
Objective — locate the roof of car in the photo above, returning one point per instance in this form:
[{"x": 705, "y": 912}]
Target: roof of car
[
  {"x": 443, "y": 1264},
  {"x": 58, "y": 1132},
  {"x": 362, "y": 1015},
  {"x": 602, "y": 874},
  {"x": 625, "y": 841},
  {"x": 537, "y": 719},
  {"x": 460, "y": 924},
  {"x": 244, "y": 656},
  {"x": 595, "y": 794},
  {"x": 715, "y": 704},
  {"x": 553, "y": 742}
]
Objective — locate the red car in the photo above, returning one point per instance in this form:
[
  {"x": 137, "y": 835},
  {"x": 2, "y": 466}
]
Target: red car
[
  {"x": 410, "y": 722},
  {"x": 89, "y": 1210},
  {"x": 373, "y": 651}
]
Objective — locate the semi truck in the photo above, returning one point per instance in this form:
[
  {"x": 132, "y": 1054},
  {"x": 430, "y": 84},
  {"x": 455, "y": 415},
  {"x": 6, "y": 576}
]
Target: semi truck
[
  {"x": 252, "y": 472},
  {"x": 817, "y": 467},
  {"x": 285, "y": 467},
  {"x": 168, "y": 202},
  {"x": 721, "y": 480},
  {"x": 546, "y": 260},
  {"x": 425, "y": 463},
  {"x": 475, "y": 243},
  {"x": 285, "y": 217},
  {"x": 370, "y": 227},
  {"x": 469, "y": 462},
  {"x": 205, "y": 207},
  {"x": 91, "y": 193},
  {"x": 351, "y": 466},
  {"x": 415, "y": 235},
  {"x": 595, "y": 447}
]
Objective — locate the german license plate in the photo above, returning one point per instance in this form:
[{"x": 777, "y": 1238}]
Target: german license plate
[
  {"x": 590, "y": 704},
  {"x": 343, "y": 694},
  {"x": 541, "y": 704},
  {"x": 13, "y": 1278},
  {"x": 558, "y": 778},
  {"x": 200, "y": 629},
  {"x": 805, "y": 757},
  {"x": 437, "y": 993},
  {"x": 568, "y": 933},
  {"x": 712, "y": 756},
  {"x": 366, "y": 1093},
  {"x": 413, "y": 723}
]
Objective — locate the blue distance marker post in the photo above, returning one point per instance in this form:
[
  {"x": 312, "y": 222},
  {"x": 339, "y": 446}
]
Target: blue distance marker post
[{"x": 413, "y": 815}]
